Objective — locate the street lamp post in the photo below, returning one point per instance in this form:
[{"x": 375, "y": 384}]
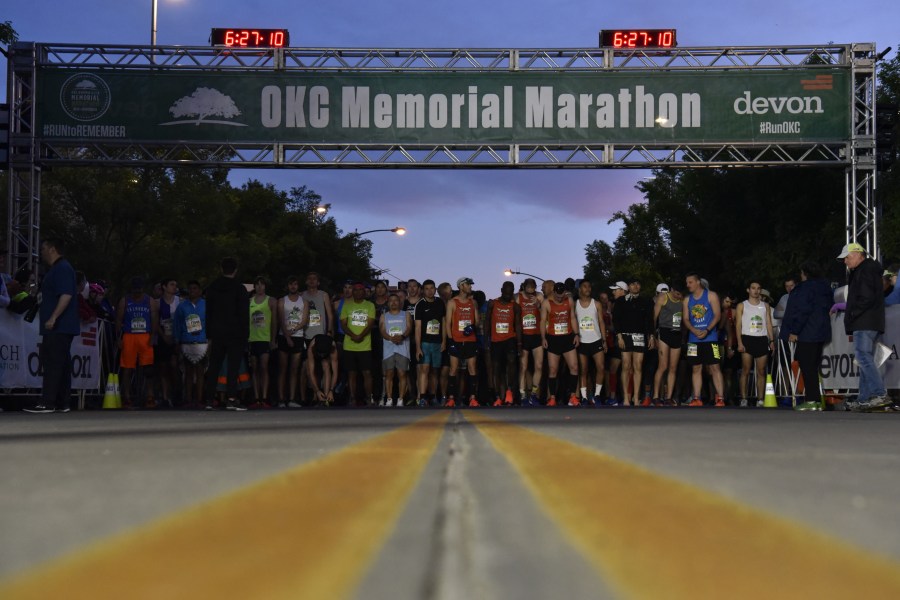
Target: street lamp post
[
  {"x": 510, "y": 273},
  {"x": 397, "y": 230},
  {"x": 153, "y": 22}
]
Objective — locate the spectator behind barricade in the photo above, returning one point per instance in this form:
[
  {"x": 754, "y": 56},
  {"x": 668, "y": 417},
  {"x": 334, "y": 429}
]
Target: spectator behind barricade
[
  {"x": 894, "y": 297},
  {"x": 86, "y": 313},
  {"x": 21, "y": 288},
  {"x": 4, "y": 295},
  {"x": 98, "y": 302},
  {"x": 7, "y": 279},
  {"x": 887, "y": 281},
  {"x": 789, "y": 282}
]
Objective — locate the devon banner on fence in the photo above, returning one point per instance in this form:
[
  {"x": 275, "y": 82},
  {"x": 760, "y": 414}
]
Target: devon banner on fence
[
  {"x": 517, "y": 107},
  {"x": 20, "y": 363},
  {"x": 838, "y": 369}
]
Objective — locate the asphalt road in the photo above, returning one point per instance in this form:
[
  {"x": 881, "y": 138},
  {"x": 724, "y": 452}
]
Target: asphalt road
[{"x": 412, "y": 503}]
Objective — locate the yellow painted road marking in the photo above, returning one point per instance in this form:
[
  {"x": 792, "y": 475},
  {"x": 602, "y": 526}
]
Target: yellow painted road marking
[
  {"x": 310, "y": 532},
  {"x": 654, "y": 537}
]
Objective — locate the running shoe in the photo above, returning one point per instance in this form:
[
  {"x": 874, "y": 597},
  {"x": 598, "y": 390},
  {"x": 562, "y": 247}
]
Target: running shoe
[
  {"x": 873, "y": 404},
  {"x": 233, "y": 404},
  {"x": 696, "y": 402},
  {"x": 744, "y": 403},
  {"x": 573, "y": 400},
  {"x": 533, "y": 400},
  {"x": 508, "y": 400},
  {"x": 551, "y": 401},
  {"x": 450, "y": 403},
  {"x": 808, "y": 406},
  {"x": 400, "y": 403},
  {"x": 646, "y": 401},
  {"x": 473, "y": 403},
  {"x": 422, "y": 402},
  {"x": 293, "y": 405},
  {"x": 720, "y": 401},
  {"x": 497, "y": 402},
  {"x": 64, "y": 409}
]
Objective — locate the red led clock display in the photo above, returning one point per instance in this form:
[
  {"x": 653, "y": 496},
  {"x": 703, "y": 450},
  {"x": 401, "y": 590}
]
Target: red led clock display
[
  {"x": 637, "y": 38},
  {"x": 250, "y": 38}
]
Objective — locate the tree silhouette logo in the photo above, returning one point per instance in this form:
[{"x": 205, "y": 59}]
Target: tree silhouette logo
[{"x": 201, "y": 105}]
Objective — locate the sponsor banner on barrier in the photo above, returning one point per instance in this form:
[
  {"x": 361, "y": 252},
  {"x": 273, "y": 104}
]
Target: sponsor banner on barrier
[
  {"x": 838, "y": 369},
  {"x": 20, "y": 363}
]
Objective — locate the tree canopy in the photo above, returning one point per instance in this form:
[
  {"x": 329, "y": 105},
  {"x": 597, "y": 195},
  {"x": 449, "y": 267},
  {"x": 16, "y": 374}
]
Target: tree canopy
[{"x": 179, "y": 223}]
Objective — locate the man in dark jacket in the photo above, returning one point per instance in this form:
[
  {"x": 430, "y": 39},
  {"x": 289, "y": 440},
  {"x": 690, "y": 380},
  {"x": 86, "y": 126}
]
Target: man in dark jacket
[
  {"x": 227, "y": 329},
  {"x": 863, "y": 321},
  {"x": 807, "y": 324}
]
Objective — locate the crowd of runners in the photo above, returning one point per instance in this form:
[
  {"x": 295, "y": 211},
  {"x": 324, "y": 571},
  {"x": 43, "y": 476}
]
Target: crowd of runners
[{"x": 428, "y": 344}]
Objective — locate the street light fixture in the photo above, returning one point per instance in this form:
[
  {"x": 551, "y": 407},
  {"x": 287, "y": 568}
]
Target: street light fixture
[
  {"x": 397, "y": 230},
  {"x": 510, "y": 273},
  {"x": 321, "y": 210}
]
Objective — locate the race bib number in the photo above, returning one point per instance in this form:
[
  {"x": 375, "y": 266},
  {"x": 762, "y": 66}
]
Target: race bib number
[
  {"x": 756, "y": 326},
  {"x": 359, "y": 318},
  {"x": 258, "y": 319},
  {"x": 637, "y": 339},
  {"x": 529, "y": 322},
  {"x": 676, "y": 320},
  {"x": 502, "y": 328},
  {"x": 193, "y": 324},
  {"x": 394, "y": 330},
  {"x": 138, "y": 325},
  {"x": 433, "y": 327},
  {"x": 167, "y": 326},
  {"x": 315, "y": 318},
  {"x": 587, "y": 324},
  {"x": 293, "y": 319},
  {"x": 692, "y": 349},
  {"x": 560, "y": 328},
  {"x": 463, "y": 323}
]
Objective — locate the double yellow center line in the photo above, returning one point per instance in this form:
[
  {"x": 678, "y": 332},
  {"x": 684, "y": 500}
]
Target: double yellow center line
[{"x": 313, "y": 531}]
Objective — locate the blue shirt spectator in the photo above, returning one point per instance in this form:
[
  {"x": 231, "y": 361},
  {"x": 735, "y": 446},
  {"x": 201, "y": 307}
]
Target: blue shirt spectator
[{"x": 59, "y": 281}]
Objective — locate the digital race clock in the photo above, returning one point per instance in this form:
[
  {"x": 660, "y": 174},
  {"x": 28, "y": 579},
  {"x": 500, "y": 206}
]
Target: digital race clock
[
  {"x": 637, "y": 38},
  {"x": 249, "y": 38}
]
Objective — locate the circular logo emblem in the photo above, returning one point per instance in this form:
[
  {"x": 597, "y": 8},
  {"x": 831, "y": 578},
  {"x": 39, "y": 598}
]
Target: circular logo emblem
[{"x": 84, "y": 97}]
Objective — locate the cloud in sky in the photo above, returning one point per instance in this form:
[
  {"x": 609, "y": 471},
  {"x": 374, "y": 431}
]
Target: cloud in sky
[{"x": 581, "y": 194}]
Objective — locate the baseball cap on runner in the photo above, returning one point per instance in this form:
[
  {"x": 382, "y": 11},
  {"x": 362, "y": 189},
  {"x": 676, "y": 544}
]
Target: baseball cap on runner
[
  {"x": 359, "y": 285},
  {"x": 662, "y": 288},
  {"x": 463, "y": 280},
  {"x": 620, "y": 285},
  {"x": 854, "y": 247}
]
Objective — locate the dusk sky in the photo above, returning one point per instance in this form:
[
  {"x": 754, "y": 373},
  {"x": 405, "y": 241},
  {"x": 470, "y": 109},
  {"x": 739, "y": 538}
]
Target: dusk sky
[{"x": 465, "y": 222}]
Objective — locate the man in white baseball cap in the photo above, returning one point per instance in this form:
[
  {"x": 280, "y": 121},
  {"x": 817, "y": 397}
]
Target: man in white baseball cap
[{"x": 863, "y": 322}]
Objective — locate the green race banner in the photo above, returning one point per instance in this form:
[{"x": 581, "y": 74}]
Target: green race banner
[{"x": 796, "y": 105}]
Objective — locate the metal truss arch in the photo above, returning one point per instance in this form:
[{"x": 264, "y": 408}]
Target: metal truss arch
[{"x": 29, "y": 151}]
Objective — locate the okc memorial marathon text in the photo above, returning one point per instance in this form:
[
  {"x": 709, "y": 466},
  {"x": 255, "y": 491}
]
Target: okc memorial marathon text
[
  {"x": 310, "y": 107},
  {"x": 299, "y": 106}
]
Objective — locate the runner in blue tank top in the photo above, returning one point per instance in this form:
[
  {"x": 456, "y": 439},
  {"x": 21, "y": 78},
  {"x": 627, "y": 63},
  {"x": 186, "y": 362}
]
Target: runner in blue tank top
[{"x": 701, "y": 313}]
